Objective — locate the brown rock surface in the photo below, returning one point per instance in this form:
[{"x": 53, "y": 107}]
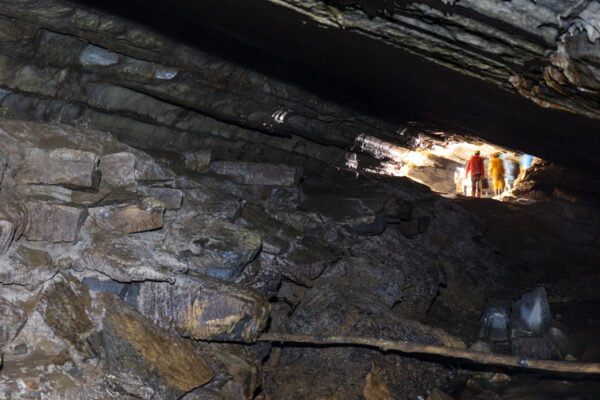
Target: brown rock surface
[
  {"x": 128, "y": 213},
  {"x": 62, "y": 166},
  {"x": 52, "y": 221}
]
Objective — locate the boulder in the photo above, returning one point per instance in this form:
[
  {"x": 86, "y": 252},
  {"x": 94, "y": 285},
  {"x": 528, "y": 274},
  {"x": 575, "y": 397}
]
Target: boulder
[
  {"x": 62, "y": 166},
  {"x": 237, "y": 376},
  {"x": 118, "y": 169},
  {"x": 204, "y": 308},
  {"x": 128, "y": 213},
  {"x": 213, "y": 202},
  {"x": 481, "y": 347},
  {"x": 130, "y": 344},
  {"x": 494, "y": 324},
  {"x": 531, "y": 314},
  {"x": 53, "y": 221},
  {"x": 262, "y": 275},
  {"x": 143, "y": 360},
  {"x": 213, "y": 247},
  {"x": 366, "y": 225},
  {"x": 250, "y": 173},
  {"x": 12, "y": 319}
]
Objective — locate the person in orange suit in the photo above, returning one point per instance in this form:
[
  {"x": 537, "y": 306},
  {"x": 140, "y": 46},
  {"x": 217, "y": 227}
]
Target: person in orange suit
[
  {"x": 496, "y": 172},
  {"x": 477, "y": 171}
]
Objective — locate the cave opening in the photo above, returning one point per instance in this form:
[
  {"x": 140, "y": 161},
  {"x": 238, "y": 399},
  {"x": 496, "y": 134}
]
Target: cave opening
[{"x": 269, "y": 199}]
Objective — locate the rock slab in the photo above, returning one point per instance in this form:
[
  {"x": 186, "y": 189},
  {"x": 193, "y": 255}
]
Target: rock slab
[
  {"x": 204, "y": 308},
  {"x": 257, "y": 173},
  {"x": 52, "y": 221},
  {"x": 129, "y": 216},
  {"x": 62, "y": 166}
]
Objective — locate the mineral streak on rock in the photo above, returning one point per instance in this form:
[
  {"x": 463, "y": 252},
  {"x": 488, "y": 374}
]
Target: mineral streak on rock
[
  {"x": 129, "y": 216},
  {"x": 205, "y": 308},
  {"x": 150, "y": 349}
]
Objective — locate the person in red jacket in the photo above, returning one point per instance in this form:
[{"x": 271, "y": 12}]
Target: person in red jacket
[{"x": 477, "y": 171}]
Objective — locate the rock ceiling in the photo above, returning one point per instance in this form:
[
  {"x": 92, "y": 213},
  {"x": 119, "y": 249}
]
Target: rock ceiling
[{"x": 521, "y": 74}]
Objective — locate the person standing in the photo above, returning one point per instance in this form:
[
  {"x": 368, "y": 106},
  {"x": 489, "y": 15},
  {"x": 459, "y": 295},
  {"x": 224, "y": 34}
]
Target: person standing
[
  {"x": 496, "y": 172},
  {"x": 477, "y": 171}
]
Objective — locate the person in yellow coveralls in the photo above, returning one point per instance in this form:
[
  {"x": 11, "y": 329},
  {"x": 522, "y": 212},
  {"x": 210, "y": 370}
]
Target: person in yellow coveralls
[{"x": 496, "y": 172}]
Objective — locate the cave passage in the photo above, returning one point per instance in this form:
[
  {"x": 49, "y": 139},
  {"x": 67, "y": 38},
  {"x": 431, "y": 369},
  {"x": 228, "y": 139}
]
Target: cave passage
[{"x": 178, "y": 179}]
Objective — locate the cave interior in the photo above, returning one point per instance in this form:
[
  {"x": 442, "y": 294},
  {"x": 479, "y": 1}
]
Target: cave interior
[{"x": 199, "y": 198}]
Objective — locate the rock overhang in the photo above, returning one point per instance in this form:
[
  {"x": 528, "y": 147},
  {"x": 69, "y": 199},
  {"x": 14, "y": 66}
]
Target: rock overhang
[{"x": 519, "y": 74}]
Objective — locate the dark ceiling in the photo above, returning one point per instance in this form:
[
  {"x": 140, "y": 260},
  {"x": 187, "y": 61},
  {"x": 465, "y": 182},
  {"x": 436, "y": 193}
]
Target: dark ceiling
[{"x": 366, "y": 73}]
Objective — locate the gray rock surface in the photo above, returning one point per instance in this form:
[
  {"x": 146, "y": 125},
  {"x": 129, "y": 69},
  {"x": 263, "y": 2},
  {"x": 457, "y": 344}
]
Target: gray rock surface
[
  {"x": 213, "y": 247},
  {"x": 118, "y": 169},
  {"x": 257, "y": 173},
  {"x": 12, "y": 319},
  {"x": 27, "y": 266}
]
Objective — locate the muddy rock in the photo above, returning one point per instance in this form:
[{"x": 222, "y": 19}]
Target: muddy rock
[
  {"x": 27, "y": 266},
  {"x": 204, "y": 308},
  {"x": 213, "y": 247},
  {"x": 262, "y": 275},
  {"x": 129, "y": 343},
  {"x": 118, "y": 169},
  {"x": 12, "y": 320},
  {"x": 307, "y": 260},
  {"x": 62, "y": 166},
  {"x": 128, "y": 213},
  {"x": 257, "y": 173},
  {"x": 52, "y": 221},
  {"x": 237, "y": 376},
  {"x": 211, "y": 202},
  {"x": 64, "y": 306},
  {"x": 276, "y": 235},
  {"x": 307, "y": 372}
]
